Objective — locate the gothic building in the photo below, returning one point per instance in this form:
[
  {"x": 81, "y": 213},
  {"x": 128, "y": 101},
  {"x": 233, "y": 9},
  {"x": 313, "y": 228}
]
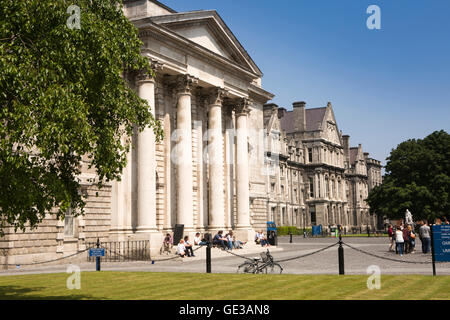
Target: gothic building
[{"x": 314, "y": 177}]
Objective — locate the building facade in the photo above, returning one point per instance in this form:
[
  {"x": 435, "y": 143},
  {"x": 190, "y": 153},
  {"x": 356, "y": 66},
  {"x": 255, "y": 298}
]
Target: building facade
[
  {"x": 227, "y": 161},
  {"x": 314, "y": 177}
]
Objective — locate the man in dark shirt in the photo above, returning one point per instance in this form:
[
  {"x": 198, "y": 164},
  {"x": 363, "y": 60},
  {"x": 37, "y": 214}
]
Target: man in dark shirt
[{"x": 220, "y": 240}]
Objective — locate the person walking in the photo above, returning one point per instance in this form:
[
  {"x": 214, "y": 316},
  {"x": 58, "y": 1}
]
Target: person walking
[
  {"x": 406, "y": 248},
  {"x": 391, "y": 238},
  {"x": 399, "y": 241},
  {"x": 425, "y": 237},
  {"x": 412, "y": 239}
]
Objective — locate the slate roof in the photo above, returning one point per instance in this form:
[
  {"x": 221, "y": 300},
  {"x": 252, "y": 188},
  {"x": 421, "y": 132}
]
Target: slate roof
[
  {"x": 314, "y": 117},
  {"x": 353, "y": 155}
]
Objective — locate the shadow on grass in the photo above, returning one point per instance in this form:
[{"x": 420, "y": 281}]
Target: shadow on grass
[{"x": 24, "y": 293}]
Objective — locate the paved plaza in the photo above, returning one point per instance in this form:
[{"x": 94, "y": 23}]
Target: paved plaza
[{"x": 325, "y": 262}]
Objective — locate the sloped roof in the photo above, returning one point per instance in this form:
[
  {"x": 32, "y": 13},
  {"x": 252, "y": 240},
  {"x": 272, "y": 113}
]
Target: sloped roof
[
  {"x": 287, "y": 122},
  {"x": 353, "y": 155},
  {"x": 314, "y": 118}
]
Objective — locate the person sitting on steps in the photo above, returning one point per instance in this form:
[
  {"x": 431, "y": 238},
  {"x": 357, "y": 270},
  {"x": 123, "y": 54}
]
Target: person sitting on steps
[
  {"x": 188, "y": 246},
  {"x": 219, "y": 240}
]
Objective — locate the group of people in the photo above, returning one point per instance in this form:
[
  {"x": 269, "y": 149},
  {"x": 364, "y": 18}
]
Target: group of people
[
  {"x": 260, "y": 238},
  {"x": 227, "y": 242},
  {"x": 184, "y": 247},
  {"x": 404, "y": 238}
]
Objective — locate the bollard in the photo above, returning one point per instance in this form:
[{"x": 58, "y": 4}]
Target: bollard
[
  {"x": 433, "y": 259},
  {"x": 368, "y": 231},
  {"x": 341, "y": 256},
  {"x": 97, "y": 259},
  {"x": 290, "y": 237},
  {"x": 208, "y": 257}
]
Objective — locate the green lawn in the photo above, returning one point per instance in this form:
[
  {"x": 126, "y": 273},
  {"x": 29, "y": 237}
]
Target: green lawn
[{"x": 184, "y": 286}]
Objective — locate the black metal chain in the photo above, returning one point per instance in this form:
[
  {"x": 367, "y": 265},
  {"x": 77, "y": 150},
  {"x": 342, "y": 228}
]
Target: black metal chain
[
  {"x": 237, "y": 255},
  {"x": 308, "y": 254},
  {"x": 43, "y": 262},
  {"x": 288, "y": 259},
  {"x": 175, "y": 257},
  {"x": 385, "y": 258}
]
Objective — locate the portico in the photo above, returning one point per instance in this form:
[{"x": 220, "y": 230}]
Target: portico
[{"x": 206, "y": 92}]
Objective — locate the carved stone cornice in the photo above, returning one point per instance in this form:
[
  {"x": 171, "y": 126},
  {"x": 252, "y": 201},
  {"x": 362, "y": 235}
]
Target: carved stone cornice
[{"x": 185, "y": 83}]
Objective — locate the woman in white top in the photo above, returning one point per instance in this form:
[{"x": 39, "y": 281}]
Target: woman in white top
[
  {"x": 181, "y": 249},
  {"x": 399, "y": 240}
]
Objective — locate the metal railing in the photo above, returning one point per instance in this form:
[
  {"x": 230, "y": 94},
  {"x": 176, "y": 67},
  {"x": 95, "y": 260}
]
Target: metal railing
[{"x": 117, "y": 251}]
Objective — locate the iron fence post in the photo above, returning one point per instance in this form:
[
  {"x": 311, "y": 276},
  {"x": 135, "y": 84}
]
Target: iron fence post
[
  {"x": 97, "y": 259},
  {"x": 433, "y": 261},
  {"x": 208, "y": 257},
  {"x": 341, "y": 256}
]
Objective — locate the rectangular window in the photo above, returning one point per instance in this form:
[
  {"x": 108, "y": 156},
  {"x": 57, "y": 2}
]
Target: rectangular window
[
  {"x": 310, "y": 155},
  {"x": 311, "y": 187},
  {"x": 69, "y": 225}
]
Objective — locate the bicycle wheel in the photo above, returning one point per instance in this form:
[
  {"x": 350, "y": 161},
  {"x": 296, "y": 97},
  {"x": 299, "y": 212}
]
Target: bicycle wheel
[
  {"x": 274, "y": 268},
  {"x": 246, "y": 267}
]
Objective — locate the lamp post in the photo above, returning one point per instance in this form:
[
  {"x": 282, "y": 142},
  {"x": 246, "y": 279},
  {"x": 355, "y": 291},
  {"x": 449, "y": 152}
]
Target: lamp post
[{"x": 304, "y": 223}]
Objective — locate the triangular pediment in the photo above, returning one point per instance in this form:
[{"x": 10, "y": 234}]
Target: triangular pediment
[
  {"x": 207, "y": 29},
  {"x": 275, "y": 123}
]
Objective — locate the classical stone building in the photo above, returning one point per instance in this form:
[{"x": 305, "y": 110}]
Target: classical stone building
[
  {"x": 227, "y": 161},
  {"x": 207, "y": 172},
  {"x": 314, "y": 177}
]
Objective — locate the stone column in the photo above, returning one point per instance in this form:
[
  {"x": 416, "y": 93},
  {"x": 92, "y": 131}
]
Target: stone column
[
  {"x": 242, "y": 167},
  {"x": 229, "y": 166},
  {"x": 215, "y": 161},
  {"x": 183, "y": 160},
  {"x": 146, "y": 163}
]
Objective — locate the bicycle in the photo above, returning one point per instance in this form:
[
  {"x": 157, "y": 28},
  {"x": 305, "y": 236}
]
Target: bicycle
[{"x": 265, "y": 264}]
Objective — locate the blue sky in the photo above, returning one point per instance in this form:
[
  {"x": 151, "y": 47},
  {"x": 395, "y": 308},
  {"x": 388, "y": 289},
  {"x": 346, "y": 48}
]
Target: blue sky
[{"x": 385, "y": 85}]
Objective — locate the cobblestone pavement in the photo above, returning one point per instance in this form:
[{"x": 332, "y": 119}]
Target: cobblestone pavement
[{"x": 325, "y": 262}]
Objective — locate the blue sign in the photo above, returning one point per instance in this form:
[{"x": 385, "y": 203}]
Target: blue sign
[
  {"x": 441, "y": 243},
  {"x": 96, "y": 252},
  {"x": 317, "y": 230}
]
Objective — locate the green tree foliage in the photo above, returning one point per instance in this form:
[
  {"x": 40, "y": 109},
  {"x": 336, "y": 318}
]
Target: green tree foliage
[
  {"x": 417, "y": 178},
  {"x": 62, "y": 96}
]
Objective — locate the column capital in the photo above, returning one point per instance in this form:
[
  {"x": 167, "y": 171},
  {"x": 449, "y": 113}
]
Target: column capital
[
  {"x": 144, "y": 76},
  {"x": 216, "y": 96},
  {"x": 185, "y": 83},
  {"x": 243, "y": 106}
]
